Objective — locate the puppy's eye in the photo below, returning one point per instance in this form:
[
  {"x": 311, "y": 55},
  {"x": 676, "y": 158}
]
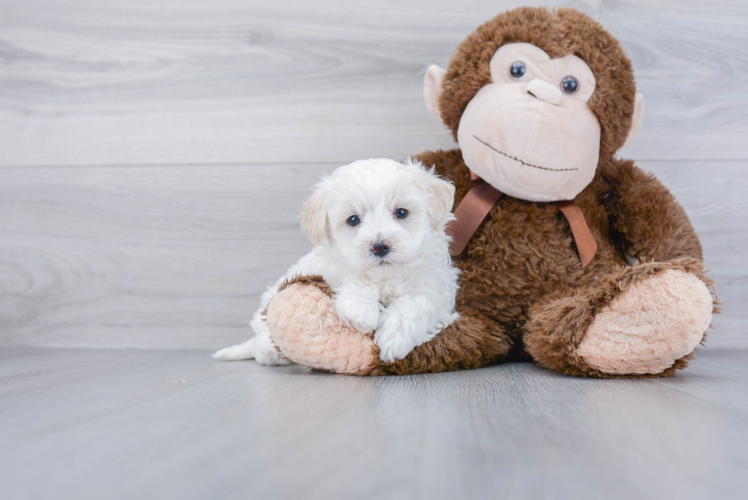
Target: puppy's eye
[
  {"x": 569, "y": 85},
  {"x": 518, "y": 70},
  {"x": 354, "y": 220},
  {"x": 400, "y": 213}
]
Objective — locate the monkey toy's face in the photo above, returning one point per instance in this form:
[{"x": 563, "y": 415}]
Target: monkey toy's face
[{"x": 529, "y": 132}]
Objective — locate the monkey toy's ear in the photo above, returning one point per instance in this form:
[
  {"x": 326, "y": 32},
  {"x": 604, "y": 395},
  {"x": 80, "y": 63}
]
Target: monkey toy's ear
[
  {"x": 432, "y": 89},
  {"x": 636, "y": 121}
]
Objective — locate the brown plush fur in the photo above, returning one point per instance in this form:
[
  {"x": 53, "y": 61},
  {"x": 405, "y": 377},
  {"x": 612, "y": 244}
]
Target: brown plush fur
[
  {"x": 524, "y": 293},
  {"x": 315, "y": 280},
  {"x": 471, "y": 342},
  {"x": 521, "y": 273}
]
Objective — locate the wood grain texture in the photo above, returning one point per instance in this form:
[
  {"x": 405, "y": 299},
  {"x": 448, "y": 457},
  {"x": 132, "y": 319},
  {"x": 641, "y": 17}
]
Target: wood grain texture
[
  {"x": 144, "y": 256},
  {"x": 177, "y": 425},
  {"x": 176, "y": 257},
  {"x": 149, "y": 82}
]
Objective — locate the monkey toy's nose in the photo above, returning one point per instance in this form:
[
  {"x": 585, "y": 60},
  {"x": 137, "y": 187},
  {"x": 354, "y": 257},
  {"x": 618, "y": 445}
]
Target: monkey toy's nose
[
  {"x": 380, "y": 248},
  {"x": 545, "y": 91}
]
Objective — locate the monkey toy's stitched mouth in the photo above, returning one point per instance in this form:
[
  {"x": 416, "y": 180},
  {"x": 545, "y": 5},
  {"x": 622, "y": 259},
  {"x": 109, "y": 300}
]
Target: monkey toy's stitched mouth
[{"x": 523, "y": 162}]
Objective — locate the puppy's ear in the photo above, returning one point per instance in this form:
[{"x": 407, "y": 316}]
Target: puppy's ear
[
  {"x": 314, "y": 215},
  {"x": 440, "y": 200}
]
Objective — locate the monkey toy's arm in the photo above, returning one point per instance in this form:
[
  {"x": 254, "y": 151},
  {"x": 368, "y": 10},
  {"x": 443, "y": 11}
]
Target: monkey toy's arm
[
  {"x": 649, "y": 224},
  {"x": 306, "y": 328}
]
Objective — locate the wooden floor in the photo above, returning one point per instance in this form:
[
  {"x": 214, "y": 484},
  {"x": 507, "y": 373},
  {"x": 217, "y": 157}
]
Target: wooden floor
[{"x": 78, "y": 424}]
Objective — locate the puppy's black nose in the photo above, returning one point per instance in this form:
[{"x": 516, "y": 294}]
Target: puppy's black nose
[{"x": 380, "y": 248}]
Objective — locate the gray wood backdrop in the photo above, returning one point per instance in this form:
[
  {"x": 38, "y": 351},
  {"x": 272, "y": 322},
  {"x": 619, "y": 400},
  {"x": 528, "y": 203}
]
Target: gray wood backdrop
[{"x": 154, "y": 153}]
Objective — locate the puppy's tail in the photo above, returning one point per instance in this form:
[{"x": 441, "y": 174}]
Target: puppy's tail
[{"x": 237, "y": 352}]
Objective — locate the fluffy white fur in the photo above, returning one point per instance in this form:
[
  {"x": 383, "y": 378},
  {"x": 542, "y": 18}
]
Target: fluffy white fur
[{"x": 406, "y": 296}]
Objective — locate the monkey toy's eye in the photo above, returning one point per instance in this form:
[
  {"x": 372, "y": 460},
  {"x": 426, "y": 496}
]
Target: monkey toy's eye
[
  {"x": 400, "y": 213},
  {"x": 354, "y": 220},
  {"x": 518, "y": 70},
  {"x": 569, "y": 84}
]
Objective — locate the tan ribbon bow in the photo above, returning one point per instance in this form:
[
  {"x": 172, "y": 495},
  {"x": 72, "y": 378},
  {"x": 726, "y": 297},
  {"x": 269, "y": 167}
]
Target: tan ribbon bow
[{"x": 482, "y": 197}]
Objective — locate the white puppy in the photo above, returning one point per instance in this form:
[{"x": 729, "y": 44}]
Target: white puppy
[{"x": 378, "y": 230}]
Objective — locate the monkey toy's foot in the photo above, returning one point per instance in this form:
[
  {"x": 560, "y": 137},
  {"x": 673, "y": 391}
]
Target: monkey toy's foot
[
  {"x": 637, "y": 322},
  {"x": 649, "y": 326},
  {"x": 307, "y": 330}
]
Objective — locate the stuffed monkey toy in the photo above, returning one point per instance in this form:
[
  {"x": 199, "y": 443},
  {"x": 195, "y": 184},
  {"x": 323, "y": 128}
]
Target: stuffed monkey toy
[{"x": 548, "y": 220}]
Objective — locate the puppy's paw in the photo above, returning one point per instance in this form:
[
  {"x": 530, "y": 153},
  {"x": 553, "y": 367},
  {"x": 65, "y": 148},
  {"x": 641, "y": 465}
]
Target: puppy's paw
[
  {"x": 392, "y": 343},
  {"x": 407, "y": 323},
  {"x": 358, "y": 312},
  {"x": 396, "y": 336}
]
